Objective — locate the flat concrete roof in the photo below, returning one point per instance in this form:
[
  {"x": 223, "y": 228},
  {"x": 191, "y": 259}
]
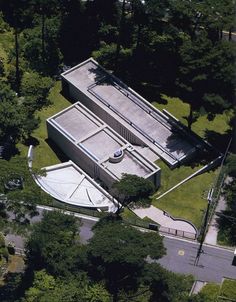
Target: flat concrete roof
[
  {"x": 99, "y": 142},
  {"x": 129, "y": 165},
  {"x": 77, "y": 123},
  {"x": 102, "y": 143},
  {"x": 162, "y": 135},
  {"x": 68, "y": 183}
]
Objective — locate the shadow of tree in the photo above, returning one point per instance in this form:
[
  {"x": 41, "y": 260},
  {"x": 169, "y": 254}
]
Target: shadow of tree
[
  {"x": 12, "y": 288},
  {"x": 31, "y": 141},
  {"x": 10, "y": 151},
  {"x": 218, "y": 140}
]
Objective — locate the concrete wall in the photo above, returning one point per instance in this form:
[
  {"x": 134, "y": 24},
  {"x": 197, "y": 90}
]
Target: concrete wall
[
  {"x": 156, "y": 178},
  {"x": 71, "y": 150},
  {"x": 76, "y": 95},
  {"x": 83, "y": 160},
  {"x": 78, "y": 156}
]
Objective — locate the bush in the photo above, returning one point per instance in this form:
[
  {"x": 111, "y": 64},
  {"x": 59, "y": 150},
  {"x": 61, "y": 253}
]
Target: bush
[{"x": 4, "y": 27}]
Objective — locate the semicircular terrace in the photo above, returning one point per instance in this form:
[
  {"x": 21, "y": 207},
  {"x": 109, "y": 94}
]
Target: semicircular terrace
[{"x": 68, "y": 183}]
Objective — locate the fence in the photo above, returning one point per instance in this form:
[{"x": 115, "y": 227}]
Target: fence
[
  {"x": 177, "y": 233},
  {"x": 155, "y": 227},
  {"x": 132, "y": 221}
]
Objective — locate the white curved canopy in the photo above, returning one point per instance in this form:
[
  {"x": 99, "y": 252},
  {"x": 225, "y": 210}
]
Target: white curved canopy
[{"x": 68, "y": 183}]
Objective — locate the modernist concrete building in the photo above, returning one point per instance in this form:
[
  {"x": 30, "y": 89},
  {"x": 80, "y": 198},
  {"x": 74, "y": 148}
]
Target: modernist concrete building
[
  {"x": 128, "y": 113},
  {"x": 68, "y": 183},
  {"x": 97, "y": 148}
]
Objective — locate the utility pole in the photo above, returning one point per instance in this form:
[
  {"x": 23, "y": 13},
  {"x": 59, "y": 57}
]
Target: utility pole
[
  {"x": 204, "y": 227},
  {"x": 209, "y": 200}
]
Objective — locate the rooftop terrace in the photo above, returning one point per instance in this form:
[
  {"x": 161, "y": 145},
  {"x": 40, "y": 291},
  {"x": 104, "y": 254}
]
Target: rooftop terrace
[
  {"x": 157, "y": 130},
  {"x": 99, "y": 142}
]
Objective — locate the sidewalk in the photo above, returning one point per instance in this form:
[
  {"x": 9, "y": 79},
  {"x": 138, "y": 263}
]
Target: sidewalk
[
  {"x": 165, "y": 220},
  {"x": 211, "y": 236}
]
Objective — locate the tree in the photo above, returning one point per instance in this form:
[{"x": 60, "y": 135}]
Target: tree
[
  {"x": 166, "y": 286},
  {"x": 11, "y": 114},
  {"x": 3, "y": 248},
  {"x": 13, "y": 11},
  {"x": 117, "y": 254},
  {"x": 72, "y": 34},
  {"x": 2, "y": 69},
  {"x": 22, "y": 205},
  {"x": 16, "y": 119},
  {"x": 20, "y": 202},
  {"x": 45, "y": 59},
  {"x": 206, "y": 75},
  {"x": 230, "y": 166},
  {"x": 53, "y": 244},
  {"x": 43, "y": 284},
  {"x": 45, "y": 9},
  {"x": 218, "y": 16},
  {"x": 46, "y": 288},
  {"x": 12, "y": 289},
  {"x": 106, "y": 56},
  {"x": 35, "y": 89},
  {"x": 121, "y": 29},
  {"x": 227, "y": 218},
  {"x": 132, "y": 188}
]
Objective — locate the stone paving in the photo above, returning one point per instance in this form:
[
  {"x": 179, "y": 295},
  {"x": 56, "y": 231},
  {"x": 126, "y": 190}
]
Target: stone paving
[{"x": 164, "y": 219}]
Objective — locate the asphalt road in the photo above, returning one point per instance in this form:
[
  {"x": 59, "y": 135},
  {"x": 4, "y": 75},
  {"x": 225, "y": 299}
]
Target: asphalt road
[
  {"x": 226, "y": 36},
  {"x": 214, "y": 263},
  {"x": 85, "y": 230}
]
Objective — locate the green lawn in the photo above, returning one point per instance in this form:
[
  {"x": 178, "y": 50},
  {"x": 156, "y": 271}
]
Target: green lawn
[
  {"x": 228, "y": 289},
  {"x": 189, "y": 200},
  {"x": 211, "y": 290},
  {"x": 226, "y": 292},
  {"x": 181, "y": 110},
  {"x": 175, "y": 106},
  {"x": 170, "y": 177},
  {"x": 43, "y": 153},
  {"x": 186, "y": 201}
]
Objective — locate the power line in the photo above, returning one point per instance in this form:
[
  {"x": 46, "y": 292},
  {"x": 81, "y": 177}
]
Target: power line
[{"x": 209, "y": 199}]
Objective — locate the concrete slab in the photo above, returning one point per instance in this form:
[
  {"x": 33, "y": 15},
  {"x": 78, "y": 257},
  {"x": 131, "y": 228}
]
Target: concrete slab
[
  {"x": 147, "y": 153},
  {"x": 101, "y": 144},
  {"x": 160, "y": 218},
  {"x": 75, "y": 123},
  {"x": 129, "y": 164},
  {"x": 197, "y": 287}
]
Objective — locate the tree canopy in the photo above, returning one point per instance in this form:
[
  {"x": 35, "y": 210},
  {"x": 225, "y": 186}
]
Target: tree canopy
[
  {"x": 46, "y": 288},
  {"x": 118, "y": 253},
  {"x": 132, "y": 188},
  {"x": 53, "y": 243}
]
